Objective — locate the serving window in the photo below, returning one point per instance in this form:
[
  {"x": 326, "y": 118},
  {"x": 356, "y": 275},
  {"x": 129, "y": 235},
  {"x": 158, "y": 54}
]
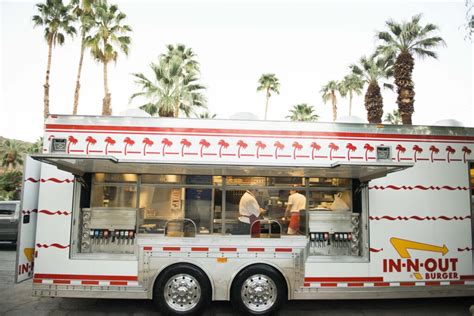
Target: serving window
[{"x": 116, "y": 207}]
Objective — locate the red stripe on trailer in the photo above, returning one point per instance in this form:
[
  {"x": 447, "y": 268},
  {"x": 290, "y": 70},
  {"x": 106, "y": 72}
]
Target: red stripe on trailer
[
  {"x": 343, "y": 279},
  {"x": 456, "y": 283},
  {"x": 171, "y": 248},
  {"x": 249, "y": 132},
  {"x": 407, "y": 283},
  {"x": 432, "y": 283},
  {"x": 61, "y": 281},
  {"x": 328, "y": 284},
  {"x": 382, "y": 284},
  {"x": 306, "y": 284},
  {"x": 37, "y": 281},
  {"x": 355, "y": 284},
  {"x": 90, "y": 282},
  {"x": 283, "y": 249},
  {"x": 199, "y": 249},
  {"x": 256, "y": 249},
  {"x": 86, "y": 277},
  {"x": 224, "y": 249},
  {"x": 147, "y": 248},
  {"x": 467, "y": 277},
  {"x": 118, "y": 283}
]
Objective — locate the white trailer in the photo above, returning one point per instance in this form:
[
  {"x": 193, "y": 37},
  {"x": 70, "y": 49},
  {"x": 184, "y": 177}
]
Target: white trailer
[{"x": 148, "y": 208}]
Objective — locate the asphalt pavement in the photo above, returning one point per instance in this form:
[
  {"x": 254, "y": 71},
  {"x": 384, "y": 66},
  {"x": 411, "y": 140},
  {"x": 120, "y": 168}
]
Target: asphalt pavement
[{"x": 16, "y": 299}]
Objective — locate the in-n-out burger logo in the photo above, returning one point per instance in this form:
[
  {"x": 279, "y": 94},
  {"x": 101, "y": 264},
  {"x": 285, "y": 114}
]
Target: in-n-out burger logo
[{"x": 429, "y": 269}]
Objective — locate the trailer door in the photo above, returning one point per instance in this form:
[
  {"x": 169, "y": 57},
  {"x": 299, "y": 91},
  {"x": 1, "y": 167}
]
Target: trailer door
[{"x": 27, "y": 223}]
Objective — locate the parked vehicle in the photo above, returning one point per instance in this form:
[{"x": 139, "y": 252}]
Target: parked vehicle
[
  {"x": 151, "y": 208},
  {"x": 9, "y": 214}
]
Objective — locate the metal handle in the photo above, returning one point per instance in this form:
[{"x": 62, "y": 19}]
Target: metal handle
[
  {"x": 270, "y": 221},
  {"x": 181, "y": 220}
]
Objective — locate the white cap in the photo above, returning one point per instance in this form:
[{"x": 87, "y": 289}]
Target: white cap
[
  {"x": 449, "y": 122},
  {"x": 135, "y": 112},
  {"x": 351, "y": 119},
  {"x": 244, "y": 116}
]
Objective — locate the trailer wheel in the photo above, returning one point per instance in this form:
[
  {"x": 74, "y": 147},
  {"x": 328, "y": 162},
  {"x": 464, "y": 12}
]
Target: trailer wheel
[
  {"x": 258, "y": 290},
  {"x": 182, "y": 289}
]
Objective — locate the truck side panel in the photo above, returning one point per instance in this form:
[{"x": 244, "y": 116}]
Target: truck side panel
[
  {"x": 27, "y": 220},
  {"x": 53, "y": 240}
]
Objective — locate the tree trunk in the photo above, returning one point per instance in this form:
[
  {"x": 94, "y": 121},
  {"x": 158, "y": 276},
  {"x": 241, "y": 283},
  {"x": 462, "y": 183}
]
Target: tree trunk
[
  {"x": 266, "y": 104},
  {"x": 374, "y": 103},
  {"x": 46, "y": 84},
  {"x": 78, "y": 79},
  {"x": 403, "y": 70},
  {"x": 176, "y": 109},
  {"x": 350, "y": 102},
  {"x": 106, "y": 109},
  {"x": 334, "y": 106}
]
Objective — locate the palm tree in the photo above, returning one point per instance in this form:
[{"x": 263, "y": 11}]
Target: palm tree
[
  {"x": 36, "y": 147},
  {"x": 108, "y": 37},
  {"x": 12, "y": 154},
  {"x": 174, "y": 87},
  {"x": 401, "y": 42},
  {"x": 206, "y": 115},
  {"x": 372, "y": 70},
  {"x": 351, "y": 84},
  {"x": 328, "y": 92},
  {"x": 302, "y": 112},
  {"x": 56, "y": 20},
  {"x": 393, "y": 118},
  {"x": 268, "y": 83},
  {"x": 82, "y": 10}
]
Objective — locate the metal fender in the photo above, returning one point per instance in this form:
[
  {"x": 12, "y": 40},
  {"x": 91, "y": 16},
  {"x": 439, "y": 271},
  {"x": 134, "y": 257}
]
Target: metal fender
[
  {"x": 242, "y": 267},
  {"x": 188, "y": 261}
]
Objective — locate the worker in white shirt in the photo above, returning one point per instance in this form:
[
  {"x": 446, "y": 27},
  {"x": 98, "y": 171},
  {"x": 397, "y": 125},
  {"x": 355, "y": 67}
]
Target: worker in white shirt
[
  {"x": 296, "y": 203},
  {"x": 249, "y": 211}
]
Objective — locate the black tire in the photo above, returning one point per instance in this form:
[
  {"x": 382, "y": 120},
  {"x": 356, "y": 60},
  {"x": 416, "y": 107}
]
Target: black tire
[
  {"x": 185, "y": 273},
  {"x": 263, "y": 273}
]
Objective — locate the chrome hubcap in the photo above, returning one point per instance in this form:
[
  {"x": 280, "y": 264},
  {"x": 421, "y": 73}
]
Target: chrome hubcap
[
  {"x": 182, "y": 292},
  {"x": 258, "y": 293}
]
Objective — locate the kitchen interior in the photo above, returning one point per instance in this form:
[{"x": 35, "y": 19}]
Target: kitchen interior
[{"x": 117, "y": 207}]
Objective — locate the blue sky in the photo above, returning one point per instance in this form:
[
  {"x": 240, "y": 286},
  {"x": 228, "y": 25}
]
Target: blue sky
[{"x": 305, "y": 43}]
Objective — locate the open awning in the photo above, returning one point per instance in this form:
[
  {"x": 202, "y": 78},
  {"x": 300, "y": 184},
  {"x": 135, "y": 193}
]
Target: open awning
[{"x": 79, "y": 165}]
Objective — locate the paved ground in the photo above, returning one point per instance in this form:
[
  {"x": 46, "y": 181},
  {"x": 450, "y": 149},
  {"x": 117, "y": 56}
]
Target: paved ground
[{"x": 16, "y": 299}]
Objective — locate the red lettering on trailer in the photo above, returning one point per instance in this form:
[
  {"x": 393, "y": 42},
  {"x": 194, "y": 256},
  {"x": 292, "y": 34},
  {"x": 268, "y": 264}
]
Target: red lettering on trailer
[
  {"x": 413, "y": 265},
  {"x": 441, "y": 276},
  {"x": 430, "y": 265},
  {"x": 23, "y": 268}
]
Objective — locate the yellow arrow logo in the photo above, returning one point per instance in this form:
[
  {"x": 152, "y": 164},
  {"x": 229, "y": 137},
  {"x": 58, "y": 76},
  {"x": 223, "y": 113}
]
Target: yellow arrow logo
[
  {"x": 402, "y": 246},
  {"x": 29, "y": 253}
]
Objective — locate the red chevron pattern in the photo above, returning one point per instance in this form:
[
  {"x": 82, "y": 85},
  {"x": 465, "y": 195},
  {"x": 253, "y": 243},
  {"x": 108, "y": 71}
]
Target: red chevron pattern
[
  {"x": 418, "y": 218},
  {"x": 376, "y": 250},
  {"x": 419, "y": 187},
  {"x": 464, "y": 249},
  {"x": 55, "y": 213},
  {"x": 50, "y": 179},
  {"x": 56, "y": 245}
]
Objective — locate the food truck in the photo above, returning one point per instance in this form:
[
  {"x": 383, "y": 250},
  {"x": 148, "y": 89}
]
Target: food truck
[{"x": 150, "y": 208}]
